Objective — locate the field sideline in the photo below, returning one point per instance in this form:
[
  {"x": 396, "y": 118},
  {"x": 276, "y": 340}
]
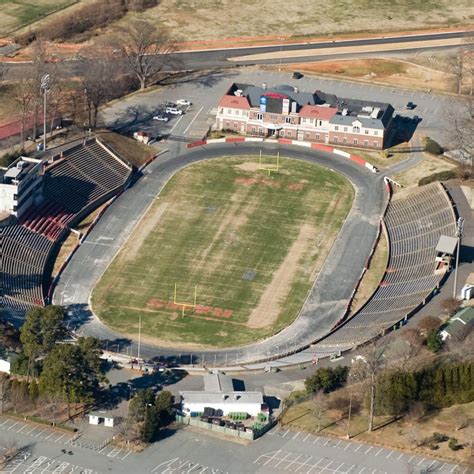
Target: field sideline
[{"x": 251, "y": 244}]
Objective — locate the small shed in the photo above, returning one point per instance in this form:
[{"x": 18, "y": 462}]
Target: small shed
[
  {"x": 445, "y": 249},
  {"x": 95, "y": 418},
  {"x": 459, "y": 326}
]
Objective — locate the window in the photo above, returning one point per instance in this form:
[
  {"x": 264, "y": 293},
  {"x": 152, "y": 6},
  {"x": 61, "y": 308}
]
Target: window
[
  {"x": 227, "y": 125},
  {"x": 356, "y": 141},
  {"x": 335, "y": 139},
  {"x": 345, "y": 129},
  {"x": 229, "y": 111},
  {"x": 376, "y": 143},
  {"x": 344, "y": 140},
  {"x": 303, "y": 120},
  {"x": 237, "y": 112},
  {"x": 254, "y": 130},
  {"x": 366, "y": 142},
  {"x": 236, "y": 124},
  {"x": 320, "y": 123},
  {"x": 366, "y": 132},
  {"x": 287, "y": 119},
  {"x": 355, "y": 129},
  {"x": 288, "y": 133},
  {"x": 336, "y": 128},
  {"x": 376, "y": 132},
  {"x": 260, "y": 130},
  {"x": 244, "y": 114},
  {"x": 259, "y": 116},
  {"x": 317, "y": 136},
  {"x": 306, "y": 135}
]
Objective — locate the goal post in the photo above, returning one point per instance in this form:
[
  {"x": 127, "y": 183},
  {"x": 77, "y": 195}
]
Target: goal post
[
  {"x": 267, "y": 167},
  {"x": 184, "y": 304}
]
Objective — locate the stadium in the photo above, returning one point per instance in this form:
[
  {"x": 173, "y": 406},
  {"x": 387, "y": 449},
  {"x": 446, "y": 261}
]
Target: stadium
[{"x": 237, "y": 252}]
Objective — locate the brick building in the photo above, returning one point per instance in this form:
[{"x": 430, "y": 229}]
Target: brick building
[{"x": 284, "y": 111}]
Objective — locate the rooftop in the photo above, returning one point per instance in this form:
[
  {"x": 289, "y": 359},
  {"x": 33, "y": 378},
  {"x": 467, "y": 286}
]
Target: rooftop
[
  {"x": 460, "y": 324},
  {"x": 446, "y": 245},
  {"x": 218, "y": 382},
  {"x": 226, "y": 398}
]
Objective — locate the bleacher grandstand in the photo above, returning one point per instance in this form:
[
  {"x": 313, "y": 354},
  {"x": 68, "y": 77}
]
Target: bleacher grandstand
[
  {"x": 414, "y": 221},
  {"x": 76, "y": 182}
]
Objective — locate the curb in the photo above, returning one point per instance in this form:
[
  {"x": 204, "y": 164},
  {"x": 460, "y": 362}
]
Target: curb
[{"x": 288, "y": 141}]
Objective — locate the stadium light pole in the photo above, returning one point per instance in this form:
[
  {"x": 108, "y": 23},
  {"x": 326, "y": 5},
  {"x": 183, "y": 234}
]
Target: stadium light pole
[
  {"x": 139, "y": 335},
  {"x": 44, "y": 87},
  {"x": 459, "y": 231}
]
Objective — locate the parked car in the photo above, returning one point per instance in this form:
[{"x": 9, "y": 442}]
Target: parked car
[
  {"x": 297, "y": 75},
  {"x": 410, "y": 106},
  {"x": 184, "y": 102},
  {"x": 173, "y": 111},
  {"x": 161, "y": 118}
]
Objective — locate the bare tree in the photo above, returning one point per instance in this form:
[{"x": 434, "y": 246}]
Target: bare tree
[
  {"x": 450, "y": 305},
  {"x": 146, "y": 49},
  {"x": 368, "y": 369},
  {"x": 24, "y": 99},
  {"x": 319, "y": 401},
  {"x": 98, "y": 82}
]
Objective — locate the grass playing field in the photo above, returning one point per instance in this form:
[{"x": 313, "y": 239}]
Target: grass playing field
[
  {"x": 17, "y": 13},
  {"x": 251, "y": 244}
]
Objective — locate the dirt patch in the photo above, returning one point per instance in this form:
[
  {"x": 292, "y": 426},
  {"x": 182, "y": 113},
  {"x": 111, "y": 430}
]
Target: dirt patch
[
  {"x": 248, "y": 166},
  {"x": 144, "y": 229},
  {"x": 258, "y": 181},
  {"x": 200, "y": 309},
  {"x": 295, "y": 186},
  {"x": 268, "y": 309}
]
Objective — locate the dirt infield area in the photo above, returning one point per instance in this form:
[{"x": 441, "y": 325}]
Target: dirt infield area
[{"x": 248, "y": 243}]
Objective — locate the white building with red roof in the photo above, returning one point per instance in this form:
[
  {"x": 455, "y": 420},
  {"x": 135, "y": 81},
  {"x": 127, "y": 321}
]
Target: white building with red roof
[{"x": 285, "y": 112}]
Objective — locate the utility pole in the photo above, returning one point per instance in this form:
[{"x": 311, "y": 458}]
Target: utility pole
[
  {"x": 139, "y": 336},
  {"x": 459, "y": 231},
  {"x": 44, "y": 87}
]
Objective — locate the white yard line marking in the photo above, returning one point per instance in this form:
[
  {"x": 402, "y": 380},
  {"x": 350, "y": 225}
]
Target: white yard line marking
[{"x": 192, "y": 121}]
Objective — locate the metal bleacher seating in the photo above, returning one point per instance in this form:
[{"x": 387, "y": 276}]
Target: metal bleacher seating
[
  {"x": 84, "y": 176},
  {"x": 414, "y": 222}
]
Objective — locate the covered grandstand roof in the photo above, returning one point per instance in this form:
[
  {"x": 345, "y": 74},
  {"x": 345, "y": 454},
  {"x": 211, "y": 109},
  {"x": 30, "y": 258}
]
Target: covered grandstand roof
[{"x": 446, "y": 245}]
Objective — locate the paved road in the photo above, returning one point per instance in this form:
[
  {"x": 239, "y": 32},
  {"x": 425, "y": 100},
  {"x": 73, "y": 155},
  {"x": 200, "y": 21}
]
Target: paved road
[
  {"x": 207, "y": 59},
  {"x": 187, "y": 451}
]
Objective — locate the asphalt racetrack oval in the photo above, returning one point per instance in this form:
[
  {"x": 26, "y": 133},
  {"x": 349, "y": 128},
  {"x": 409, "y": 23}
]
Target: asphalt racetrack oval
[{"x": 326, "y": 302}]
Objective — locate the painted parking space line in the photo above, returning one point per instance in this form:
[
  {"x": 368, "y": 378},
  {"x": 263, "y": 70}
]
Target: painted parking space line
[
  {"x": 61, "y": 468},
  {"x": 348, "y": 446},
  {"x": 400, "y": 457},
  {"x": 22, "y": 428},
  {"x": 126, "y": 455},
  {"x": 32, "y": 429},
  {"x": 306, "y": 437},
  {"x": 192, "y": 121},
  {"x": 358, "y": 447},
  {"x": 327, "y": 441},
  {"x": 378, "y": 452},
  {"x": 305, "y": 463},
  {"x": 6, "y": 421},
  {"x": 282, "y": 459},
  {"x": 296, "y": 435},
  {"x": 14, "y": 424},
  {"x": 51, "y": 434},
  {"x": 316, "y": 440},
  {"x": 285, "y": 433},
  {"x": 411, "y": 459},
  {"x": 60, "y": 437},
  {"x": 370, "y": 447},
  {"x": 389, "y": 454},
  {"x": 422, "y": 460}
]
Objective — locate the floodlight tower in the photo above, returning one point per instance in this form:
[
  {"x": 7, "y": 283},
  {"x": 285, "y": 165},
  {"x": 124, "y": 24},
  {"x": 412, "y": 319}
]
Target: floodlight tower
[
  {"x": 459, "y": 232},
  {"x": 44, "y": 86}
]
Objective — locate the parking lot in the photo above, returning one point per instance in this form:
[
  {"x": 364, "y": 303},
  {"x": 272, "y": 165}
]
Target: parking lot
[{"x": 137, "y": 111}]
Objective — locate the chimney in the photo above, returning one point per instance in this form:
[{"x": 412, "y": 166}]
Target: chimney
[
  {"x": 264, "y": 85},
  {"x": 293, "y": 107}
]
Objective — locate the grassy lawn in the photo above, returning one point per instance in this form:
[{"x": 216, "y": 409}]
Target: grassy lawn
[
  {"x": 431, "y": 164},
  {"x": 302, "y": 18},
  {"x": 252, "y": 244},
  {"x": 404, "y": 434},
  {"x": 400, "y": 73},
  {"x": 134, "y": 152},
  {"x": 373, "y": 275},
  {"x": 17, "y": 13}
]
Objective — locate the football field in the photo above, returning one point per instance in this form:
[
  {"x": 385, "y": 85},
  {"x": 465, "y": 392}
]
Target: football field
[{"x": 226, "y": 254}]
